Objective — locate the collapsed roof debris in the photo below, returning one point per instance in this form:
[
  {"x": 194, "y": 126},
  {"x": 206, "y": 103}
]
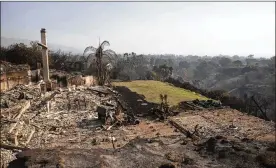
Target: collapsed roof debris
[
  {"x": 56, "y": 109},
  {"x": 19, "y": 92}
]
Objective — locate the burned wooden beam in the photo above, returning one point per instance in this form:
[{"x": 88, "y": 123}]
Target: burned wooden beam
[
  {"x": 186, "y": 132},
  {"x": 100, "y": 91},
  {"x": 12, "y": 147},
  {"x": 26, "y": 106},
  {"x": 263, "y": 113}
]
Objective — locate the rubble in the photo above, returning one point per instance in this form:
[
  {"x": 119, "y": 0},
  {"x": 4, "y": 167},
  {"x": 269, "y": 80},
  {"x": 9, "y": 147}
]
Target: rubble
[
  {"x": 208, "y": 103},
  {"x": 19, "y": 92},
  {"x": 6, "y": 157},
  {"x": 82, "y": 126},
  {"x": 59, "y": 112},
  {"x": 200, "y": 105}
]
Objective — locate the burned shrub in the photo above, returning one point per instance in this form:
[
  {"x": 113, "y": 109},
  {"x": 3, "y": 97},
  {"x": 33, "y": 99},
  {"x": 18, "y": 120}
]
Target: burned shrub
[{"x": 216, "y": 94}]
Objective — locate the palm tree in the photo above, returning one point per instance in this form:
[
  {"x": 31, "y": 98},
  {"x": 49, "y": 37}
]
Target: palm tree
[{"x": 103, "y": 58}]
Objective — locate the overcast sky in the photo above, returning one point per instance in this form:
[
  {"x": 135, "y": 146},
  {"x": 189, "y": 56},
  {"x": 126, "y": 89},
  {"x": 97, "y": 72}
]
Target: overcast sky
[{"x": 196, "y": 28}]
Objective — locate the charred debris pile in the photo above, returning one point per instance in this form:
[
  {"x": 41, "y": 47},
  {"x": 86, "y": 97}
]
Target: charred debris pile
[
  {"x": 32, "y": 119},
  {"x": 112, "y": 126}
]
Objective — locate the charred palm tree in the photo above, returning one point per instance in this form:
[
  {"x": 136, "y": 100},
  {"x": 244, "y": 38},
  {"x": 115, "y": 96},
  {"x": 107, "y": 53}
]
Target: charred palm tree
[{"x": 103, "y": 58}]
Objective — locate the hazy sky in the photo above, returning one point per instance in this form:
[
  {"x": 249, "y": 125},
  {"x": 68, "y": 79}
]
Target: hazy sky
[{"x": 197, "y": 28}]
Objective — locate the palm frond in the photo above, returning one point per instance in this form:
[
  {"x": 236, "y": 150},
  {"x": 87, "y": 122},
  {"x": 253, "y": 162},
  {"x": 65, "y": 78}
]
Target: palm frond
[
  {"x": 109, "y": 66},
  {"x": 90, "y": 56},
  {"x": 89, "y": 60},
  {"x": 108, "y": 57},
  {"x": 110, "y": 52},
  {"x": 104, "y": 43},
  {"x": 81, "y": 58},
  {"x": 111, "y": 55},
  {"x": 90, "y": 48}
]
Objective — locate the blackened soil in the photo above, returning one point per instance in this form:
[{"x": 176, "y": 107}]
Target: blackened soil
[{"x": 132, "y": 103}]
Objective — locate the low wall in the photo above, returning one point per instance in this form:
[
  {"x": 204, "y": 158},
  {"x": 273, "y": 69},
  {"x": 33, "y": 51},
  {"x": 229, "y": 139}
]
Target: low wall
[
  {"x": 12, "y": 79},
  {"x": 79, "y": 80},
  {"x": 90, "y": 80}
]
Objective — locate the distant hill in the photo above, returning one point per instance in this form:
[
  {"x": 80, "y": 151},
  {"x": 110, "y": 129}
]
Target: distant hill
[{"x": 5, "y": 42}]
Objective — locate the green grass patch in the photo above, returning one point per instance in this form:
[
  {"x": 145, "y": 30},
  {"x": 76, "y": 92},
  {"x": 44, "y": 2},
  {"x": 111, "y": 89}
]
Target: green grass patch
[{"x": 152, "y": 89}]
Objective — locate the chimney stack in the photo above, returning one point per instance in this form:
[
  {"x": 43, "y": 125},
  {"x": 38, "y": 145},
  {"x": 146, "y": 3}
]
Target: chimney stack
[{"x": 45, "y": 56}]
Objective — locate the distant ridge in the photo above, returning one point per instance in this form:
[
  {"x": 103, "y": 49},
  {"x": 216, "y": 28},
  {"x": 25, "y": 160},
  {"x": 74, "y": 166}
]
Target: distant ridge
[{"x": 5, "y": 42}]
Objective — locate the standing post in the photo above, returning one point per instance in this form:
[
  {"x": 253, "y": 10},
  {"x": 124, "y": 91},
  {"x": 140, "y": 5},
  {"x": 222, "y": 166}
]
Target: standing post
[
  {"x": 45, "y": 62},
  {"x": 45, "y": 56}
]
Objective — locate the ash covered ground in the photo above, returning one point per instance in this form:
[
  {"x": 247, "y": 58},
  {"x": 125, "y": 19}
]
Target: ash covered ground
[{"x": 61, "y": 129}]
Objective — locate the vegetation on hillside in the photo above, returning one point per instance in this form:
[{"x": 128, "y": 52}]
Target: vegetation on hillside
[
  {"x": 239, "y": 77},
  {"x": 31, "y": 54}
]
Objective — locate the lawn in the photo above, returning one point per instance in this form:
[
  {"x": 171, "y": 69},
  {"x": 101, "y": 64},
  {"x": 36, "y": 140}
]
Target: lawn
[{"x": 152, "y": 89}]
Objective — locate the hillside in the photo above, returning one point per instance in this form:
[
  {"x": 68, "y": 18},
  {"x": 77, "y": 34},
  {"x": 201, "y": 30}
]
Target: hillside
[
  {"x": 239, "y": 76},
  {"x": 152, "y": 89}
]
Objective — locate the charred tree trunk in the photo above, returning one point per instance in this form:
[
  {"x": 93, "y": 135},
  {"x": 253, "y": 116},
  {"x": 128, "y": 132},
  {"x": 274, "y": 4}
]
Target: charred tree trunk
[{"x": 263, "y": 113}]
